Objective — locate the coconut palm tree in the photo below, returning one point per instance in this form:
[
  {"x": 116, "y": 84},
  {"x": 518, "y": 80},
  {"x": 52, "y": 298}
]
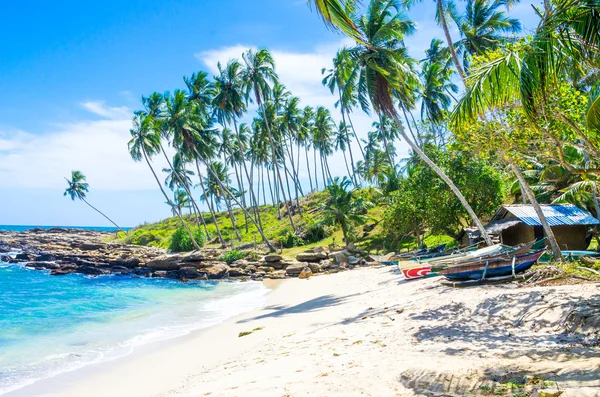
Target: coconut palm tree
[
  {"x": 568, "y": 34},
  {"x": 322, "y": 139},
  {"x": 145, "y": 143},
  {"x": 304, "y": 137},
  {"x": 482, "y": 27},
  {"x": 258, "y": 74},
  {"x": 384, "y": 73},
  {"x": 343, "y": 208},
  {"x": 341, "y": 142},
  {"x": 78, "y": 188},
  {"x": 217, "y": 194}
]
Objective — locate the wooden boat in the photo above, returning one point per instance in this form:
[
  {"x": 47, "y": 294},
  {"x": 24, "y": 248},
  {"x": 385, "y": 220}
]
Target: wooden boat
[
  {"x": 414, "y": 270},
  {"x": 492, "y": 267},
  {"x": 570, "y": 255}
]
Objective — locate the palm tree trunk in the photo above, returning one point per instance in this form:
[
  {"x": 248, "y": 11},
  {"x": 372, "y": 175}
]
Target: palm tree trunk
[
  {"x": 325, "y": 180},
  {"x": 385, "y": 143},
  {"x": 101, "y": 213},
  {"x": 232, "y": 218},
  {"x": 410, "y": 129},
  {"x": 187, "y": 189},
  {"x": 228, "y": 193},
  {"x": 538, "y": 210},
  {"x": 249, "y": 176},
  {"x": 270, "y": 186},
  {"x": 276, "y": 165},
  {"x": 287, "y": 182},
  {"x": 308, "y": 166},
  {"x": 209, "y": 205},
  {"x": 352, "y": 175},
  {"x": 347, "y": 169},
  {"x": 315, "y": 164},
  {"x": 328, "y": 169},
  {"x": 240, "y": 182},
  {"x": 459, "y": 68},
  {"x": 187, "y": 229},
  {"x": 362, "y": 152},
  {"x": 448, "y": 181}
]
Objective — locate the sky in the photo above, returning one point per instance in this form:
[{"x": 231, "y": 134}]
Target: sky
[{"x": 72, "y": 73}]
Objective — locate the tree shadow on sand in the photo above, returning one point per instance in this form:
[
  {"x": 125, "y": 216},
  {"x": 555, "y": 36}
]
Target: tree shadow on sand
[{"x": 311, "y": 305}]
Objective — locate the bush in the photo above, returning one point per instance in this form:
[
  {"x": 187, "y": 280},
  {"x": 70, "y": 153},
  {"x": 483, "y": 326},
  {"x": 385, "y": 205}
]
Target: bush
[
  {"x": 289, "y": 240},
  {"x": 181, "y": 242},
  {"x": 316, "y": 232},
  {"x": 232, "y": 256}
]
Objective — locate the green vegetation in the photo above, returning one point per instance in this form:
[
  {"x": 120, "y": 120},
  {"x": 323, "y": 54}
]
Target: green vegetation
[
  {"x": 232, "y": 256},
  {"x": 181, "y": 242},
  {"x": 523, "y": 126}
]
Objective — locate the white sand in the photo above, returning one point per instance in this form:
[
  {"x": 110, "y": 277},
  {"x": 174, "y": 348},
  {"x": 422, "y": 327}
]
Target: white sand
[{"x": 362, "y": 333}]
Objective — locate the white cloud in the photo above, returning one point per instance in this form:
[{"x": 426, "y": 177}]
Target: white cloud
[
  {"x": 99, "y": 108},
  {"x": 97, "y": 148}
]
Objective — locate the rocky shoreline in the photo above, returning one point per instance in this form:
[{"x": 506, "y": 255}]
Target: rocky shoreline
[{"x": 66, "y": 251}]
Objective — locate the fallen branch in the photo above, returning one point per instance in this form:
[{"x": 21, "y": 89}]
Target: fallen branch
[{"x": 589, "y": 270}]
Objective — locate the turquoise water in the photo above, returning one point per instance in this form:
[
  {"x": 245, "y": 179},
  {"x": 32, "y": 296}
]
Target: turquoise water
[
  {"x": 50, "y": 324},
  {"x": 21, "y": 228}
]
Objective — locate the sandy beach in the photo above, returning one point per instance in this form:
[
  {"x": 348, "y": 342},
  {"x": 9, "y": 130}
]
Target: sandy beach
[{"x": 367, "y": 332}]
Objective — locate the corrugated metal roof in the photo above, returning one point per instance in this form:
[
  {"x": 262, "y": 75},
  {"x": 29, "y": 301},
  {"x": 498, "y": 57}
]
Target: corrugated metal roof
[{"x": 556, "y": 215}]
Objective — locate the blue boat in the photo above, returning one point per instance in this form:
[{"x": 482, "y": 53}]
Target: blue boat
[{"x": 482, "y": 270}]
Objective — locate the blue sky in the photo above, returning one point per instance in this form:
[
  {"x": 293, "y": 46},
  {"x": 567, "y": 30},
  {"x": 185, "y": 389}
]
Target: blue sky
[{"x": 71, "y": 73}]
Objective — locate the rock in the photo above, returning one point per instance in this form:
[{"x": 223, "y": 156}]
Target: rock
[
  {"x": 272, "y": 258},
  {"x": 93, "y": 271},
  {"x": 352, "y": 260},
  {"x": 216, "y": 271},
  {"x": 5, "y": 258},
  {"x": 339, "y": 257},
  {"x": 325, "y": 264},
  {"x": 305, "y": 273},
  {"x": 45, "y": 258},
  {"x": 266, "y": 269},
  {"x": 91, "y": 246},
  {"x": 278, "y": 274},
  {"x": 251, "y": 269},
  {"x": 165, "y": 262},
  {"x": 25, "y": 256},
  {"x": 241, "y": 263},
  {"x": 160, "y": 274},
  {"x": 311, "y": 256},
  {"x": 61, "y": 272},
  {"x": 122, "y": 270},
  {"x": 277, "y": 265},
  {"x": 43, "y": 265},
  {"x": 319, "y": 250},
  {"x": 237, "y": 272},
  {"x": 295, "y": 268},
  {"x": 314, "y": 268}
]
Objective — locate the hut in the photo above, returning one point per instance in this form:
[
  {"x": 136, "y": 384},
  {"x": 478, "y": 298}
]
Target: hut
[{"x": 518, "y": 223}]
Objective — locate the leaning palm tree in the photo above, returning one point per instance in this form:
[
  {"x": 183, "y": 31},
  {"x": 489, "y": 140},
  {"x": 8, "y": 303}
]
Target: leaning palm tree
[
  {"x": 144, "y": 143},
  {"x": 384, "y": 73},
  {"x": 568, "y": 34},
  {"x": 258, "y": 74},
  {"x": 78, "y": 188}
]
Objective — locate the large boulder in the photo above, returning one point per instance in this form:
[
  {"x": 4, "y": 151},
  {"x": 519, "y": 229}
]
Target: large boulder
[
  {"x": 237, "y": 272},
  {"x": 295, "y": 268},
  {"x": 272, "y": 258},
  {"x": 165, "y": 262},
  {"x": 90, "y": 270},
  {"x": 216, "y": 271},
  {"x": 277, "y": 265},
  {"x": 311, "y": 256},
  {"x": 314, "y": 267},
  {"x": 188, "y": 272},
  {"x": 305, "y": 273},
  {"x": 352, "y": 260},
  {"x": 325, "y": 264},
  {"x": 339, "y": 257}
]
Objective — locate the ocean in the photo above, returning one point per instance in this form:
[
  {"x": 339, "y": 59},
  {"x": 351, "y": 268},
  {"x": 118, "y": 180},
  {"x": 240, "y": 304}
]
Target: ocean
[
  {"x": 52, "y": 324},
  {"x": 22, "y": 228}
]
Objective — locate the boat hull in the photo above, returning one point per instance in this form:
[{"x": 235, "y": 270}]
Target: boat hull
[{"x": 493, "y": 272}]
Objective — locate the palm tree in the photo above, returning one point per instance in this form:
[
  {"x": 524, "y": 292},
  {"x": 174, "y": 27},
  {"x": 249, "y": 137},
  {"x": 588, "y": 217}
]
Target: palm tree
[
  {"x": 78, "y": 188},
  {"x": 341, "y": 143},
  {"x": 258, "y": 73},
  {"x": 336, "y": 15},
  {"x": 384, "y": 73},
  {"x": 568, "y": 33},
  {"x": 482, "y": 27},
  {"x": 304, "y": 136},
  {"x": 144, "y": 143},
  {"x": 343, "y": 208},
  {"x": 322, "y": 139},
  {"x": 217, "y": 194}
]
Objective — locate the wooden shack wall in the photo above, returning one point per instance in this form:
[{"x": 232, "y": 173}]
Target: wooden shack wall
[
  {"x": 518, "y": 234},
  {"x": 571, "y": 237}
]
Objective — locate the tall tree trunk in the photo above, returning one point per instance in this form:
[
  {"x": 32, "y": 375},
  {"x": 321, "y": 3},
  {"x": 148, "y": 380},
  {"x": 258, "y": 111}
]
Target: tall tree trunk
[
  {"x": 232, "y": 218},
  {"x": 187, "y": 229},
  {"x": 315, "y": 164},
  {"x": 186, "y": 188},
  {"x": 235, "y": 200},
  {"x": 448, "y": 181},
  {"x": 240, "y": 182},
  {"x": 348, "y": 141},
  {"x": 362, "y": 152},
  {"x": 328, "y": 170},
  {"x": 385, "y": 143},
  {"x": 538, "y": 210},
  {"x": 347, "y": 169},
  {"x": 418, "y": 142},
  {"x": 308, "y": 167},
  {"x": 104, "y": 215},
  {"x": 459, "y": 68},
  {"x": 326, "y": 182},
  {"x": 276, "y": 165},
  {"x": 208, "y": 204}
]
